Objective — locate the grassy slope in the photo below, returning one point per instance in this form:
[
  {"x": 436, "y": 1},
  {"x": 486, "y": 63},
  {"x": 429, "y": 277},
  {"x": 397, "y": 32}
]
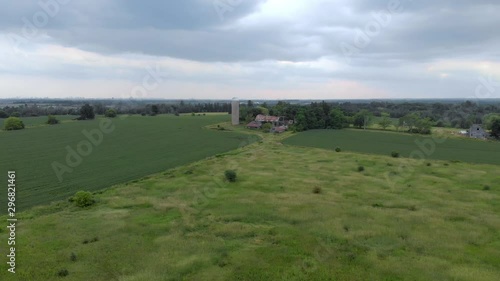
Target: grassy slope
[
  {"x": 138, "y": 146},
  {"x": 398, "y": 220},
  {"x": 384, "y": 143}
]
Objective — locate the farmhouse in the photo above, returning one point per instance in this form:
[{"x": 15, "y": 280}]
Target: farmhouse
[
  {"x": 477, "y": 132},
  {"x": 278, "y": 123}
]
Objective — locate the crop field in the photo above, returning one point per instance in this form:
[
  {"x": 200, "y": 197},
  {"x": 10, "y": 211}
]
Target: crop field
[
  {"x": 415, "y": 146},
  {"x": 138, "y": 146},
  {"x": 294, "y": 213},
  {"x": 41, "y": 120}
]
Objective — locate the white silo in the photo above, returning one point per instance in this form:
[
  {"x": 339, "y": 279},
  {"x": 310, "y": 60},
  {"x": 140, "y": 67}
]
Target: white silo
[{"x": 235, "y": 109}]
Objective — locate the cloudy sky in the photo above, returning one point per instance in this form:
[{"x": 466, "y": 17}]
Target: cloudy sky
[{"x": 274, "y": 49}]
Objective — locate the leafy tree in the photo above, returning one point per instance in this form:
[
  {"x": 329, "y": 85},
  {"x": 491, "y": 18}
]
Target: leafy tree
[
  {"x": 495, "y": 128},
  {"x": 110, "y": 113},
  {"x": 362, "y": 119},
  {"x": 13, "y": 123},
  {"x": 489, "y": 119},
  {"x": 263, "y": 110},
  {"x": 385, "y": 122},
  {"x": 86, "y": 112},
  {"x": 337, "y": 119},
  {"x": 52, "y": 120},
  {"x": 3, "y": 114},
  {"x": 409, "y": 120},
  {"x": 423, "y": 126},
  {"x": 15, "y": 114},
  {"x": 154, "y": 109},
  {"x": 300, "y": 122}
]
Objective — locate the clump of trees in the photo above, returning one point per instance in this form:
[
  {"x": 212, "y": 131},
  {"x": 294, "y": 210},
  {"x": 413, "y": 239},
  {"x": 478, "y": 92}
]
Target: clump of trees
[
  {"x": 52, "y": 120},
  {"x": 416, "y": 124},
  {"x": 13, "y": 123}
]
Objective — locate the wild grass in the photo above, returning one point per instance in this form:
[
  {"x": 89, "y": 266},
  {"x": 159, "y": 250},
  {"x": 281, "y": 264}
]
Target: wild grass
[{"x": 391, "y": 222}]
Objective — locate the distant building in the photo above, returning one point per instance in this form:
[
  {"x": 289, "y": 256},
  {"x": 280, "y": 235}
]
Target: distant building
[{"x": 477, "y": 132}]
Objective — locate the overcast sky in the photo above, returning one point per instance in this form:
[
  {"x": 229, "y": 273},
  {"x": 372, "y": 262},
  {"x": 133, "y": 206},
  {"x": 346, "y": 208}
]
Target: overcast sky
[{"x": 275, "y": 49}]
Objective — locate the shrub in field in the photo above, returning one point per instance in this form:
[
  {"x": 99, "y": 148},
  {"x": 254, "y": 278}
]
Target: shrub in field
[
  {"x": 52, "y": 120},
  {"x": 395, "y": 154},
  {"x": 317, "y": 190},
  {"x": 337, "y": 149},
  {"x": 72, "y": 257},
  {"x": 83, "y": 199},
  {"x": 3, "y": 114},
  {"x": 486, "y": 187},
  {"x": 13, "y": 123},
  {"x": 15, "y": 114},
  {"x": 267, "y": 127},
  {"x": 230, "y": 175},
  {"x": 361, "y": 169},
  {"x": 63, "y": 273},
  {"x": 110, "y": 113}
]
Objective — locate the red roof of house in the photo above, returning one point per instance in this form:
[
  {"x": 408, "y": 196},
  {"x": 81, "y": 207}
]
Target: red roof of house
[
  {"x": 254, "y": 124},
  {"x": 266, "y": 118},
  {"x": 280, "y": 129}
]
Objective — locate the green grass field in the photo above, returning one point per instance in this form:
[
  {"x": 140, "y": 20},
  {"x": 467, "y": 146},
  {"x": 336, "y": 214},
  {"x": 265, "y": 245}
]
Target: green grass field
[
  {"x": 438, "y": 222},
  {"x": 138, "y": 146},
  {"x": 377, "y": 142},
  {"x": 39, "y": 121}
]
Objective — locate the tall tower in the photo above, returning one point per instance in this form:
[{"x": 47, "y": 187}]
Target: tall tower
[{"x": 235, "y": 109}]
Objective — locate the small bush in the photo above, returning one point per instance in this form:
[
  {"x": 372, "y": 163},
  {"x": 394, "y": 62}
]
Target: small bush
[
  {"x": 83, "y": 199},
  {"x": 15, "y": 114},
  {"x": 52, "y": 120},
  {"x": 317, "y": 190},
  {"x": 486, "y": 187},
  {"x": 13, "y": 123},
  {"x": 429, "y": 164},
  {"x": 267, "y": 127},
  {"x": 230, "y": 175},
  {"x": 337, "y": 149},
  {"x": 63, "y": 273},
  {"x": 395, "y": 154},
  {"x": 72, "y": 257},
  {"x": 361, "y": 169}
]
